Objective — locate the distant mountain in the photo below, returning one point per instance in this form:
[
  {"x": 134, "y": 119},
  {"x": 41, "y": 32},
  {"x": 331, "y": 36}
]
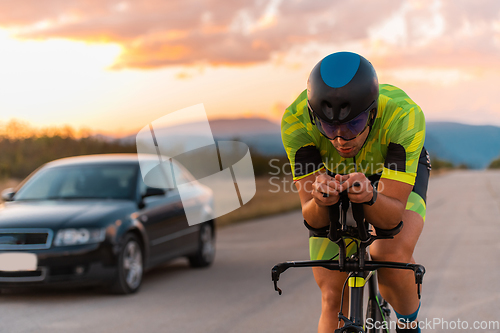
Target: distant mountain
[
  {"x": 259, "y": 133},
  {"x": 243, "y": 126},
  {"x": 473, "y": 145}
]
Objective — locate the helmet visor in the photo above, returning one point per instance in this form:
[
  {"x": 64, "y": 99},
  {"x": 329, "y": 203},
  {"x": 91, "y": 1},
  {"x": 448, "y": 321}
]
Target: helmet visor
[{"x": 346, "y": 131}]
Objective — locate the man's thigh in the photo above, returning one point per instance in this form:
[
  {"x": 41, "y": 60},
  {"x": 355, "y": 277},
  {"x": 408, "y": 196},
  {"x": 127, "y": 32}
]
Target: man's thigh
[
  {"x": 401, "y": 247},
  {"x": 329, "y": 282}
]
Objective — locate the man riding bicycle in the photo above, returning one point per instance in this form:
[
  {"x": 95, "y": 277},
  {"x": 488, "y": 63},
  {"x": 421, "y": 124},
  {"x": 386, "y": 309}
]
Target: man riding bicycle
[{"x": 347, "y": 132}]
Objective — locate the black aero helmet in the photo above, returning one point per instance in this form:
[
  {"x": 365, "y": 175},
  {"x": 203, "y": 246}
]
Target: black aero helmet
[{"x": 341, "y": 87}]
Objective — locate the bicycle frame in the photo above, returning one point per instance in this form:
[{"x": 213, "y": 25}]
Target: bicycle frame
[{"x": 356, "y": 266}]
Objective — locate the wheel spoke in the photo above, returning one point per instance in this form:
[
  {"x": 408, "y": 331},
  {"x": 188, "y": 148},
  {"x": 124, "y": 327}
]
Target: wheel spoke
[
  {"x": 126, "y": 263},
  {"x": 132, "y": 264},
  {"x": 132, "y": 250}
]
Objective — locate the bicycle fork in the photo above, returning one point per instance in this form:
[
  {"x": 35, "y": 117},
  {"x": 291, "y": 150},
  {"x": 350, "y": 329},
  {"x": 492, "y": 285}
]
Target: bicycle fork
[{"x": 356, "y": 282}]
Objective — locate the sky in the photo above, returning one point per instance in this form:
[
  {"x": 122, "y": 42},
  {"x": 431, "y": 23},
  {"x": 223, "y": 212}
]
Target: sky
[{"x": 114, "y": 66}]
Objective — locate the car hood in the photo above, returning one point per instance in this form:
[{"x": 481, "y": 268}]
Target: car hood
[{"x": 63, "y": 214}]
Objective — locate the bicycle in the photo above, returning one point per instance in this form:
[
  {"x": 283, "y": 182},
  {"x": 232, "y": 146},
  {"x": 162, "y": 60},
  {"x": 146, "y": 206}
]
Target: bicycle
[{"x": 359, "y": 267}]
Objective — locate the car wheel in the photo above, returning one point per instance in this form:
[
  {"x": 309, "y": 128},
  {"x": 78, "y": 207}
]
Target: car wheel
[
  {"x": 130, "y": 266},
  {"x": 205, "y": 254}
]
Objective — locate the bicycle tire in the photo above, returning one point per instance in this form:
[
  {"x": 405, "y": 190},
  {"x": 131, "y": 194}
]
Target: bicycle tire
[{"x": 375, "y": 313}]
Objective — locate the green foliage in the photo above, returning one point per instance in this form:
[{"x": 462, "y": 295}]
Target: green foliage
[
  {"x": 495, "y": 164},
  {"x": 441, "y": 164},
  {"x": 269, "y": 165},
  {"x": 20, "y": 156}
]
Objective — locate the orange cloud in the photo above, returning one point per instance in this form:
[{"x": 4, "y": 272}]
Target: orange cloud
[{"x": 157, "y": 33}]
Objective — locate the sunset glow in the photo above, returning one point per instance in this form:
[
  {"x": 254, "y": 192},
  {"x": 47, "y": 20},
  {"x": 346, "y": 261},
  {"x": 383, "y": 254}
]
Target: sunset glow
[
  {"x": 116, "y": 66},
  {"x": 54, "y": 55}
]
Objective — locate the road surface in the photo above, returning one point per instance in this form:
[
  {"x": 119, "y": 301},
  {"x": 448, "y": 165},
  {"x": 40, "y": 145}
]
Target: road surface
[{"x": 460, "y": 248}]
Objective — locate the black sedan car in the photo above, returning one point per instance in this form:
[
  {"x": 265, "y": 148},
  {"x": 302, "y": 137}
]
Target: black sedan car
[{"x": 92, "y": 219}]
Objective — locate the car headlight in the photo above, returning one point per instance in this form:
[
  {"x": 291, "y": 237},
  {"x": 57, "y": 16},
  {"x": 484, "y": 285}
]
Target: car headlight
[{"x": 79, "y": 236}]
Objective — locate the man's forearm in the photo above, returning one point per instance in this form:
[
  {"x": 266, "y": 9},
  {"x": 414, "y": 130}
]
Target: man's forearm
[
  {"x": 386, "y": 213},
  {"x": 316, "y": 216}
]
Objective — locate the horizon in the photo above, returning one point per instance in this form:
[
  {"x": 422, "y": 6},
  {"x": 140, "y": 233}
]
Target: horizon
[{"x": 67, "y": 130}]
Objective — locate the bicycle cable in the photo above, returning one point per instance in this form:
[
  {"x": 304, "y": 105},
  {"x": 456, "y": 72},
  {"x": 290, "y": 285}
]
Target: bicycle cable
[{"x": 342, "y": 296}]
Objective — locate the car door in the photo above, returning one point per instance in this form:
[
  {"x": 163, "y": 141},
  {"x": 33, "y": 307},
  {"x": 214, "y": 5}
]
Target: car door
[
  {"x": 188, "y": 237},
  {"x": 165, "y": 222}
]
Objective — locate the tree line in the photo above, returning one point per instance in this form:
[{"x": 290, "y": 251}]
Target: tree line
[
  {"x": 20, "y": 156},
  {"x": 444, "y": 164},
  {"x": 495, "y": 164},
  {"x": 23, "y": 148}
]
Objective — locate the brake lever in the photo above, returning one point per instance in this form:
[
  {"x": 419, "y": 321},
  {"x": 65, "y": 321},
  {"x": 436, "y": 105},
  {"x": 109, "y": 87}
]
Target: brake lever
[
  {"x": 275, "y": 274},
  {"x": 419, "y": 278},
  {"x": 278, "y": 289}
]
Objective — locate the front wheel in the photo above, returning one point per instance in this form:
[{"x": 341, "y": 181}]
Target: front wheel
[
  {"x": 377, "y": 316},
  {"x": 130, "y": 266},
  {"x": 205, "y": 254}
]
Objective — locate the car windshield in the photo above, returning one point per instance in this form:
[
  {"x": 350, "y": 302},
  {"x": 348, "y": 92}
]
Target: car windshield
[{"x": 96, "y": 181}]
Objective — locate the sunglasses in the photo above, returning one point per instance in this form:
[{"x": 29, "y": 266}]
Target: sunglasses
[{"x": 347, "y": 131}]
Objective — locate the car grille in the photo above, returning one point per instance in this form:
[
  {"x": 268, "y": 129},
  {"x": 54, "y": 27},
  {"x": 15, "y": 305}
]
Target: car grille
[
  {"x": 25, "y": 239},
  {"x": 24, "y": 276}
]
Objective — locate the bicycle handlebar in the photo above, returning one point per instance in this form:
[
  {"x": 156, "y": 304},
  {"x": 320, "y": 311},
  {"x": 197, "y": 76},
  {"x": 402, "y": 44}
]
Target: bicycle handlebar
[{"x": 350, "y": 266}]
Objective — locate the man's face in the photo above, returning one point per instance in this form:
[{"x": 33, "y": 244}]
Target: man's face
[{"x": 348, "y": 149}]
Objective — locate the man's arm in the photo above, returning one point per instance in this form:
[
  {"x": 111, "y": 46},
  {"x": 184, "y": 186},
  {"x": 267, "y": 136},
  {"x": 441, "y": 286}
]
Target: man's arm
[
  {"x": 314, "y": 205},
  {"x": 388, "y": 209}
]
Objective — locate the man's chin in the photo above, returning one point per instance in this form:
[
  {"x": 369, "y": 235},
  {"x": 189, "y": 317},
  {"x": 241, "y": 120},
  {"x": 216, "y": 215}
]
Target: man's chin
[{"x": 347, "y": 155}]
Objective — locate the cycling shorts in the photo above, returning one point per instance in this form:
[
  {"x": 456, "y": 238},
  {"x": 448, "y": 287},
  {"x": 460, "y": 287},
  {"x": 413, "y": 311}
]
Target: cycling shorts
[{"x": 321, "y": 248}]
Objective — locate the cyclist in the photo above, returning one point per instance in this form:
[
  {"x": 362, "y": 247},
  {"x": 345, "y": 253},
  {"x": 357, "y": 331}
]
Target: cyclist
[{"x": 346, "y": 129}]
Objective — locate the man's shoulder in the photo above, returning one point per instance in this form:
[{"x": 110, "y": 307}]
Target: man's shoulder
[
  {"x": 395, "y": 96},
  {"x": 296, "y": 115},
  {"x": 298, "y": 106},
  {"x": 401, "y": 119},
  {"x": 397, "y": 110}
]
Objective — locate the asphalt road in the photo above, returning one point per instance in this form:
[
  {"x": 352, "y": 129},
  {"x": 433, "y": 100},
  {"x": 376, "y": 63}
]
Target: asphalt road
[{"x": 459, "y": 247}]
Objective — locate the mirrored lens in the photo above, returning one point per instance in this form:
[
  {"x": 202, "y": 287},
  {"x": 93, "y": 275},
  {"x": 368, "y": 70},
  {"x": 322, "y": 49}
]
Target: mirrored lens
[{"x": 347, "y": 131}]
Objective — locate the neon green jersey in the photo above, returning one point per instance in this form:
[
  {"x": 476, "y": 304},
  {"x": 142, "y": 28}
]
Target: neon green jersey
[{"x": 392, "y": 147}]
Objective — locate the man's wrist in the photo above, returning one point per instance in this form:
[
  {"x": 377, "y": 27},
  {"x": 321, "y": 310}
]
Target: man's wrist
[{"x": 374, "y": 197}]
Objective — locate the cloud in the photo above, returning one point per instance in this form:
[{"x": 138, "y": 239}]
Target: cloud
[
  {"x": 158, "y": 33},
  {"x": 447, "y": 34}
]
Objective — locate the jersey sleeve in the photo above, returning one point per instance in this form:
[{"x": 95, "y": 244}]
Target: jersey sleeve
[
  {"x": 298, "y": 140},
  {"x": 405, "y": 137}
]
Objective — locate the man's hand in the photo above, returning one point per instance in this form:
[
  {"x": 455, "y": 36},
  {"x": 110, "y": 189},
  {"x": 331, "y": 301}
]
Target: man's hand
[
  {"x": 359, "y": 187},
  {"x": 325, "y": 184}
]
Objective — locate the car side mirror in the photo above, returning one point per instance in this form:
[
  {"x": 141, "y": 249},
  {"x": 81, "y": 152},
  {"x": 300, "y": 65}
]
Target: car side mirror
[
  {"x": 8, "y": 194},
  {"x": 152, "y": 191}
]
